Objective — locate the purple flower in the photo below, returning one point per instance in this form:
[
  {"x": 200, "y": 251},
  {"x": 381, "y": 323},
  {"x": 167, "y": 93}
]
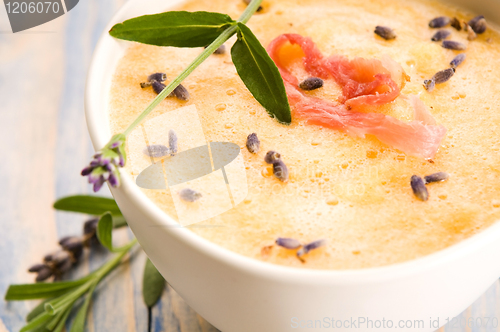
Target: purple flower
[
  {"x": 288, "y": 243},
  {"x": 310, "y": 246},
  {"x": 105, "y": 165}
]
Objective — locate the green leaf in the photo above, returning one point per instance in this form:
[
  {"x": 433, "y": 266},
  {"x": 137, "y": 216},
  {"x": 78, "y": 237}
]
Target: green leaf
[
  {"x": 40, "y": 308},
  {"x": 58, "y": 318},
  {"x": 94, "y": 205},
  {"x": 105, "y": 230},
  {"x": 62, "y": 322},
  {"x": 260, "y": 74},
  {"x": 37, "y": 322},
  {"x": 153, "y": 284},
  {"x": 42, "y": 290},
  {"x": 119, "y": 222},
  {"x": 175, "y": 28},
  {"x": 79, "y": 322}
]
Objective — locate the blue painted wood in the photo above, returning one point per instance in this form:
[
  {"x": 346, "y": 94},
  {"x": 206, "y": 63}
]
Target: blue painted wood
[{"x": 44, "y": 144}]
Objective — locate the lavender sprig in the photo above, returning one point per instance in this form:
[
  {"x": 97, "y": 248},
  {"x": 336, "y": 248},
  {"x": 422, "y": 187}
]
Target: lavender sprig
[
  {"x": 61, "y": 261},
  {"x": 106, "y": 163}
]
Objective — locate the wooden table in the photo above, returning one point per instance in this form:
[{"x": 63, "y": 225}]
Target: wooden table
[{"x": 44, "y": 144}]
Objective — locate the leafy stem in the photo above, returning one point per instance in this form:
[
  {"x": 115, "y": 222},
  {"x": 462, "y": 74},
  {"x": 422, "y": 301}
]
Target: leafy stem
[
  {"x": 194, "y": 29},
  {"x": 63, "y": 295},
  {"x": 221, "y": 39}
]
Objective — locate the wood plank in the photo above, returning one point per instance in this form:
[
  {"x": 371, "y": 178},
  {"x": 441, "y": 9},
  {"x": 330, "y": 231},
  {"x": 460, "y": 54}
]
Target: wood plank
[
  {"x": 172, "y": 314},
  {"x": 28, "y": 126}
]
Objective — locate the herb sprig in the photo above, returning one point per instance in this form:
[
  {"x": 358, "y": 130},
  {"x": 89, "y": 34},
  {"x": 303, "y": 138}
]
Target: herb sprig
[
  {"x": 195, "y": 29},
  {"x": 61, "y": 297}
]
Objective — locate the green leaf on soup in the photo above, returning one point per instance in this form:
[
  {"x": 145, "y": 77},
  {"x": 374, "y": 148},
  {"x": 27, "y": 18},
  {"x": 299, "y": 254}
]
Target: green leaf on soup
[
  {"x": 260, "y": 74},
  {"x": 176, "y": 28}
]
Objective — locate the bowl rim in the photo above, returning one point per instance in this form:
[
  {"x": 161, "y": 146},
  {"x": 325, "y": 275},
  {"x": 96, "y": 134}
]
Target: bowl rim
[{"x": 94, "y": 114}]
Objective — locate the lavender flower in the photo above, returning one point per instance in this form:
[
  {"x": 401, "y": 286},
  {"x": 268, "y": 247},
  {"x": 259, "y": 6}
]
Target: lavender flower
[
  {"x": 90, "y": 232},
  {"x": 54, "y": 264},
  {"x": 189, "y": 195},
  {"x": 173, "y": 142},
  {"x": 436, "y": 177},
  {"x": 253, "y": 143},
  {"x": 280, "y": 170},
  {"x": 288, "y": 243},
  {"x": 61, "y": 261},
  {"x": 418, "y": 187},
  {"x": 156, "y": 150},
  {"x": 271, "y": 157},
  {"x": 106, "y": 163},
  {"x": 73, "y": 245},
  {"x": 310, "y": 246},
  {"x": 457, "y": 60}
]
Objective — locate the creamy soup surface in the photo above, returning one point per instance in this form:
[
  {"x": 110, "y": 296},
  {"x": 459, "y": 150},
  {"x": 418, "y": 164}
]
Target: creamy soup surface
[{"x": 353, "y": 192}]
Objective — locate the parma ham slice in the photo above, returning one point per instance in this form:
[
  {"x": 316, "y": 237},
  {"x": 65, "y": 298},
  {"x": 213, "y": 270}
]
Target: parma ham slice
[{"x": 364, "y": 82}]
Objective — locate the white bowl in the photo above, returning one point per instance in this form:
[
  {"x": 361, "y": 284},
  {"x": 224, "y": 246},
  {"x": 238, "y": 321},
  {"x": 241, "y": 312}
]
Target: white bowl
[{"x": 239, "y": 294}]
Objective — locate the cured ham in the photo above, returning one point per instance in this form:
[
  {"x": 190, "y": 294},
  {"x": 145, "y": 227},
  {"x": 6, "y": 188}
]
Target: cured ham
[{"x": 364, "y": 83}]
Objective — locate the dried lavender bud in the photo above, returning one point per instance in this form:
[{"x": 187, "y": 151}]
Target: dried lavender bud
[
  {"x": 385, "y": 32},
  {"x": 439, "y": 22},
  {"x": 471, "y": 35},
  {"x": 453, "y": 45},
  {"x": 44, "y": 274},
  {"x": 157, "y": 87},
  {"x": 310, "y": 246},
  {"x": 105, "y": 164},
  {"x": 456, "y": 24},
  {"x": 280, "y": 170},
  {"x": 429, "y": 85},
  {"x": 37, "y": 267},
  {"x": 443, "y": 75},
  {"x": 65, "y": 266},
  {"x": 478, "y": 24},
  {"x": 457, "y": 60},
  {"x": 64, "y": 240},
  {"x": 221, "y": 49},
  {"x": 436, "y": 177},
  {"x": 440, "y": 35},
  {"x": 90, "y": 226},
  {"x": 189, "y": 195},
  {"x": 253, "y": 143},
  {"x": 247, "y": 2},
  {"x": 48, "y": 258},
  {"x": 89, "y": 232},
  {"x": 156, "y": 77},
  {"x": 74, "y": 245},
  {"x": 159, "y": 77},
  {"x": 311, "y": 83},
  {"x": 271, "y": 157},
  {"x": 418, "y": 187},
  {"x": 180, "y": 92},
  {"x": 156, "y": 150},
  {"x": 288, "y": 243},
  {"x": 172, "y": 142},
  {"x": 60, "y": 258}
]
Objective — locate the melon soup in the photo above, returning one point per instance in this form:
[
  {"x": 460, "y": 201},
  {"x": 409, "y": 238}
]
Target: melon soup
[{"x": 353, "y": 192}]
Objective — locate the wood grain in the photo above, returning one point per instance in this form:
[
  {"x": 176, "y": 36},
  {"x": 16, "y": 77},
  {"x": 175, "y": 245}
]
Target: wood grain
[{"x": 44, "y": 146}]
